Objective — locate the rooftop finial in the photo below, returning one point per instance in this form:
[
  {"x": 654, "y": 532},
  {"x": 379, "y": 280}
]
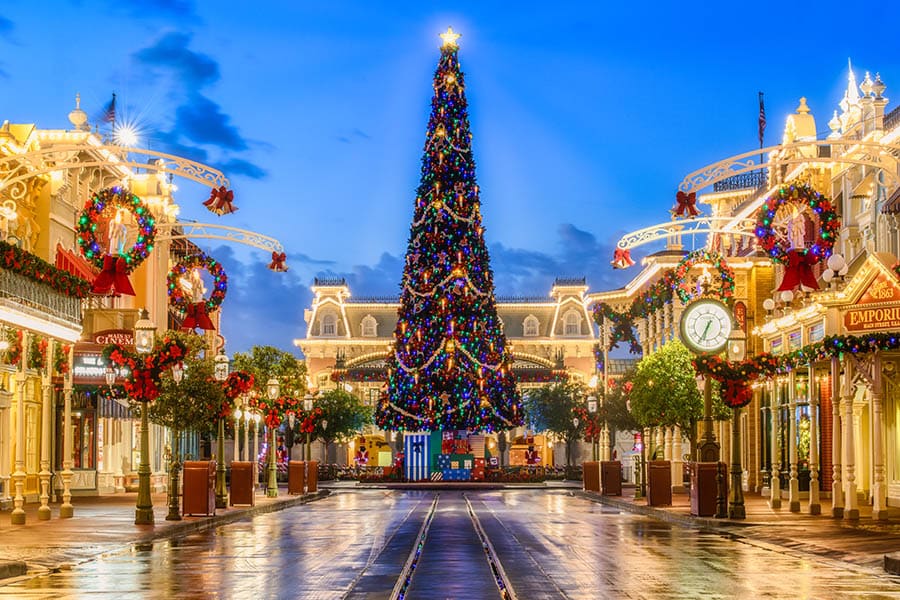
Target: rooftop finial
[{"x": 450, "y": 38}]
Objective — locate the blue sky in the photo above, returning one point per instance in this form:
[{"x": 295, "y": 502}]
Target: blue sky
[{"x": 585, "y": 116}]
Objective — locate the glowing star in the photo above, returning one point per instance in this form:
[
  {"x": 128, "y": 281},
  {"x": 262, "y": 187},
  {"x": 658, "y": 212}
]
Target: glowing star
[{"x": 450, "y": 37}]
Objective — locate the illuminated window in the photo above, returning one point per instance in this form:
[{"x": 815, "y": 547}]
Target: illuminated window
[
  {"x": 329, "y": 324},
  {"x": 572, "y": 323},
  {"x": 369, "y": 326},
  {"x": 530, "y": 326}
]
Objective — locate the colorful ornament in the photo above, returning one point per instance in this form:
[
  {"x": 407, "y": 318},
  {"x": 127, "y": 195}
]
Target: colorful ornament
[
  {"x": 685, "y": 205},
  {"x": 220, "y": 201},
  {"x": 277, "y": 263}
]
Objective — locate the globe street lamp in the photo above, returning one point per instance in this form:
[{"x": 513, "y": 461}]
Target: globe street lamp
[
  {"x": 272, "y": 390},
  {"x": 175, "y": 464},
  {"x": 256, "y": 419},
  {"x": 220, "y": 372},
  {"x": 307, "y": 407},
  {"x": 237, "y": 414},
  {"x": 289, "y": 434},
  {"x": 595, "y": 442},
  {"x": 144, "y": 333}
]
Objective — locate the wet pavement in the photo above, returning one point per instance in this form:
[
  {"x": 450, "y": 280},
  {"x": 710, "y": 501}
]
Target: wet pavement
[{"x": 550, "y": 543}]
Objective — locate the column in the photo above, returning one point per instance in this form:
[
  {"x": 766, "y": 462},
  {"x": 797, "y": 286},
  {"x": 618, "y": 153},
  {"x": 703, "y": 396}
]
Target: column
[
  {"x": 837, "y": 489},
  {"x": 775, "y": 482},
  {"x": 46, "y": 436},
  {"x": 246, "y": 434},
  {"x": 814, "y": 507},
  {"x": 793, "y": 482},
  {"x": 851, "y": 504},
  {"x": 5, "y": 448},
  {"x": 879, "y": 495},
  {"x": 677, "y": 462},
  {"x": 237, "y": 439},
  {"x": 18, "y": 513},
  {"x": 660, "y": 443}
]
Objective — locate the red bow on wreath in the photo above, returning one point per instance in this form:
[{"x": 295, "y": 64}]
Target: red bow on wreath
[
  {"x": 798, "y": 270},
  {"x": 197, "y": 317},
  {"x": 220, "y": 201},
  {"x": 113, "y": 277},
  {"x": 685, "y": 203},
  {"x": 621, "y": 259},
  {"x": 277, "y": 263}
]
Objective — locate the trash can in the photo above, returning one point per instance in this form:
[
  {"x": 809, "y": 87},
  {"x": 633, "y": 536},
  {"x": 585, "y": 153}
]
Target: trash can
[
  {"x": 199, "y": 487},
  {"x": 312, "y": 476},
  {"x": 659, "y": 482},
  {"x": 242, "y": 488},
  {"x": 611, "y": 477},
  {"x": 591, "y": 476},
  {"x": 296, "y": 476},
  {"x": 703, "y": 488}
]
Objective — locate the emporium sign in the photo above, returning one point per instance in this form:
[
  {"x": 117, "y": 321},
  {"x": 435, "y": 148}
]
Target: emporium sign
[{"x": 865, "y": 318}]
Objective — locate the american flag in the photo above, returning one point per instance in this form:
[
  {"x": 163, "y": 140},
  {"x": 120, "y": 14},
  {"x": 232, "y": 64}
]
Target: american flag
[
  {"x": 109, "y": 113},
  {"x": 762, "y": 119}
]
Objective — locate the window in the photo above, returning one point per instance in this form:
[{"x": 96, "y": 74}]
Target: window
[
  {"x": 530, "y": 326},
  {"x": 369, "y": 326},
  {"x": 572, "y": 323},
  {"x": 329, "y": 324}
]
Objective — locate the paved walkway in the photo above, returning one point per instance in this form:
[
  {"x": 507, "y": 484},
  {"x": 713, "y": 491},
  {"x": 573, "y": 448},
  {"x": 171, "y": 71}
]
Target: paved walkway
[
  {"x": 104, "y": 524},
  {"x": 862, "y": 542}
]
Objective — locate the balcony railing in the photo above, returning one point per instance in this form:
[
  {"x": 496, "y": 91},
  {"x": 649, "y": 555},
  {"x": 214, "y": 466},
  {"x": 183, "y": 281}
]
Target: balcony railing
[
  {"x": 38, "y": 298},
  {"x": 743, "y": 181}
]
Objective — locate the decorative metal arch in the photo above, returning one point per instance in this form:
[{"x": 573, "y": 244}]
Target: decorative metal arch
[
  {"x": 19, "y": 167},
  {"x": 856, "y": 152},
  {"x": 218, "y": 232},
  {"x": 698, "y": 226}
]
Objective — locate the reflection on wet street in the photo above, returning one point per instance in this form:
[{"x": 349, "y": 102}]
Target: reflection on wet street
[{"x": 548, "y": 544}]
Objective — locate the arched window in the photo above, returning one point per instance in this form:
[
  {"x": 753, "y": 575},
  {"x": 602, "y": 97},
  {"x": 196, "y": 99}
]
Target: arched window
[
  {"x": 329, "y": 324},
  {"x": 369, "y": 326},
  {"x": 530, "y": 327},
  {"x": 572, "y": 323}
]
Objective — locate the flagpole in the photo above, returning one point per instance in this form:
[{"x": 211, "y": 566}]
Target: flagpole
[{"x": 762, "y": 129}]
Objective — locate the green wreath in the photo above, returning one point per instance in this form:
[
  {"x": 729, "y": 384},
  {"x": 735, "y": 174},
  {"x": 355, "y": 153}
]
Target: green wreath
[
  {"x": 829, "y": 222},
  {"x": 699, "y": 257},
  {"x": 195, "y": 261},
  {"x": 90, "y": 217}
]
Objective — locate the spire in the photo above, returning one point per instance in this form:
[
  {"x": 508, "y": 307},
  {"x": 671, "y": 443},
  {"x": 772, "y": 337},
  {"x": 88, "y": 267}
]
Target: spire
[{"x": 852, "y": 89}]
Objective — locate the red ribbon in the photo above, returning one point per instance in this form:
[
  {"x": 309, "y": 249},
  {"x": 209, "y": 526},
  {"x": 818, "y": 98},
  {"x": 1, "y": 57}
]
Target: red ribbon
[
  {"x": 621, "y": 258},
  {"x": 197, "y": 317},
  {"x": 685, "y": 203},
  {"x": 798, "y": 270},
  {"x": 113, "y": 278},
  {"x": 277, "y": 263},
  {"x": 220, "y": 201}
]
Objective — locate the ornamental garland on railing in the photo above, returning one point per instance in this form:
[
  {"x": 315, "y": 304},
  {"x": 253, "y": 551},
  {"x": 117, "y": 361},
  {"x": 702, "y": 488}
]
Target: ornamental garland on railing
[
  {"x": 739, "y": 375},
  {"x": 14, "y": 352},
  {"x": 13, "y": 258},
  {"x": 657, "y": 295},
  {"x": 142, "y": 381}
]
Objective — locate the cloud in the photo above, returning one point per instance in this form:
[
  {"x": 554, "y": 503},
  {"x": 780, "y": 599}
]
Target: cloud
[
  {"x": 202, "y": 121},
  {"x": 199, "y": 121},
  {"x": 355, "y": 135},
  {"x": 179, "y": 9},
  {"x": 6, "y": 28},
  {"x": 192, "y": 70},
  {"x": 381, "y": 279}
]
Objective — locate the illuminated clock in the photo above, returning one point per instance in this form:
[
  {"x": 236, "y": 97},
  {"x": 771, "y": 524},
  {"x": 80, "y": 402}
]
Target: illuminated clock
[{"x": 705, "y": 326}]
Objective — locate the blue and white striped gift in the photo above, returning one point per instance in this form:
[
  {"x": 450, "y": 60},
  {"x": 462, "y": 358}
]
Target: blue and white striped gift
[{"x": 417, "y": 456}]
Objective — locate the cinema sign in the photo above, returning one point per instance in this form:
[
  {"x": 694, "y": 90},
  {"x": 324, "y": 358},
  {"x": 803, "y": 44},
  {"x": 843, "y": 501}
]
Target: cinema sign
[{"x": 865, "y": 317}]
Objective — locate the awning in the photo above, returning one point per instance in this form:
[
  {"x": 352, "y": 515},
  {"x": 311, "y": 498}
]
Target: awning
[{"x": 71, "y": 263}]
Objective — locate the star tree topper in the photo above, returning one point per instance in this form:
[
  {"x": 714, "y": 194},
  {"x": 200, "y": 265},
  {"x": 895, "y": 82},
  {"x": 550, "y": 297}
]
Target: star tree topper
[{"x": 450, "y": 37}]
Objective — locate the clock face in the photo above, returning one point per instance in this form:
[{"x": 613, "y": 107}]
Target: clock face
[{"x": 705, "y": 326}]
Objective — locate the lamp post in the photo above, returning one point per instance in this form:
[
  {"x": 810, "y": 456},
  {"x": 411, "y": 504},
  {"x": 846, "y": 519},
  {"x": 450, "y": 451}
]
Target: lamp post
[
  {"x": 595, "y": 442},
  {"x": 175, "y": 464},
  {"x": 144, "y": 333},
  {"x": 256, "y": 419},
  {"x": 307, "y": 406},
  {"x": 237, "y": 414},
  {"x": 220, "y": 372},
  {"x": 272, "y": 390},
  {"x": 737, "y": 349},
  {"x": 289, "y": 434}
]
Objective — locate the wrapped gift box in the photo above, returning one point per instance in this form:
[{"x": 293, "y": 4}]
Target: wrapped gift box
[
  {"x": 443, "y": 461},
  {"x": 480, "y": 462},
  {"x": 478, "y": 474},
  {"x": 456, "y": 474}
]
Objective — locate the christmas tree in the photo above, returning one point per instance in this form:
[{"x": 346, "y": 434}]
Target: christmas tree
[{"x": 449, "y": 368}]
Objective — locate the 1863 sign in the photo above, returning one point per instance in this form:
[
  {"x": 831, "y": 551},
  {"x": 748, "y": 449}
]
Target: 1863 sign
[{"x": 865, "y": 317}]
